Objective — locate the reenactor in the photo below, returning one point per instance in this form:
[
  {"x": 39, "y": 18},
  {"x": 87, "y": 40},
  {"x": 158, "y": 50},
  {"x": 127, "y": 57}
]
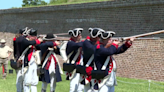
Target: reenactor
[
  {"x": 29, "y": 67},
  {"x": 17, "y": 53},
  {"x": 105, "y": 65},
  {"x": 74, "y": 55},
  {"x": 88, "y": 55},
  {"x": 50, "y": 65}
]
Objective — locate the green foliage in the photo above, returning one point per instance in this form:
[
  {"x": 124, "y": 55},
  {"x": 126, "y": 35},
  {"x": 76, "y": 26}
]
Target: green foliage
[
  {"x": 27, "y": 3},
  {"x": 33, "y": 3}
]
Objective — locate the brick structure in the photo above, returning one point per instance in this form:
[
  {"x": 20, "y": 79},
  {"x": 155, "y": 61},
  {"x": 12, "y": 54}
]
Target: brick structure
[
  {"x": 144, "y": 60},
  {"x": 125, "y": 17}
]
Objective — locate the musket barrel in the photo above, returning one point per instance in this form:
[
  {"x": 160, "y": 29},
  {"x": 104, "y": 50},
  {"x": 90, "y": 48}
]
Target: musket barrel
[
  {"x": 143, "y": 35},
  {"x": 61, "y": 34},
  {"x": 55, "y": 34}
]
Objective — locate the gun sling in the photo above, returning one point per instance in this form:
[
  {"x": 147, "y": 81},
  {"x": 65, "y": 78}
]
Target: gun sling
[{"x": 69, "y": 67}]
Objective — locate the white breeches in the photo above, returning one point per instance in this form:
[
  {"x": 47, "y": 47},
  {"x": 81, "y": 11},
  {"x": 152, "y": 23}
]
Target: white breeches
[
  {"x": 106, "y": 88},
  {"x": 19, "y": 81},
  {"x": 75, "y": 86},
  {"x": 87, "y": 88},
  {"x": 30, "y": 77},
  {"x": 109, "y": 85}
]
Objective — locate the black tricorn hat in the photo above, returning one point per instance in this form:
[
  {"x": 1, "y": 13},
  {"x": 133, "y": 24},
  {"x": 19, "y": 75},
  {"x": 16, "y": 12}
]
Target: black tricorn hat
[
  {"x": 21, "y": 31},
  {"x": 75, "y": 32},
  {"x": 33, "y": 32},
  {"x": 95, "y": 32},
  {"x": 50, "y": 36},
  {"x": 107, "y": 34}
]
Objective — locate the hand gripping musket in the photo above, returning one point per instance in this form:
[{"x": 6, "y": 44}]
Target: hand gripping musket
[{"x": 140, "y": 35}]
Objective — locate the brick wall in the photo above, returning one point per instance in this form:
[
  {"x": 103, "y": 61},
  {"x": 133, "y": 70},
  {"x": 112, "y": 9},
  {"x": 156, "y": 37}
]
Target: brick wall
[
  {"x": 125, "y": 17},
  {"x": 144, "y": 60}
]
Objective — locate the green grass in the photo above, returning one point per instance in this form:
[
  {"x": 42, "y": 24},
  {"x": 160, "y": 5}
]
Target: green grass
[
  {"x": 124, "y": 85},
  {"x": 64, "y": 2}
]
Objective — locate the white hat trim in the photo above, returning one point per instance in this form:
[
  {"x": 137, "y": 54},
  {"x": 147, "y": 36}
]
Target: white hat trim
[
  {"x": 72, "y": 31},
  {"x": 109, "y": 34},
  {"x": 99, "y": 32}
]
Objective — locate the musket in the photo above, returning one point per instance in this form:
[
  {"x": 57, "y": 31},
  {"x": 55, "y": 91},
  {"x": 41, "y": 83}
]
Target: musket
[
  {"x": 143, "y": 35},
  {"x": 113, "y": 38},
  {"x": 55, "y": 34}
]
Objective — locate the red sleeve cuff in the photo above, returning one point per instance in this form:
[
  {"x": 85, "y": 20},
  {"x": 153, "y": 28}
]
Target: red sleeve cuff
[
  {"x": 115, "y": 45},
  {"x": 54, "y": 43},
  {"x": 14, "y": 39},
  {"x": 37, "y": 42},
  {"x": 128, "y": 44}
]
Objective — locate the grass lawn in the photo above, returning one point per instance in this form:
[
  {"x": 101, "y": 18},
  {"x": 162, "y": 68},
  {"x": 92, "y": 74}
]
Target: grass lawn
[{"x": 124, "y": 85}]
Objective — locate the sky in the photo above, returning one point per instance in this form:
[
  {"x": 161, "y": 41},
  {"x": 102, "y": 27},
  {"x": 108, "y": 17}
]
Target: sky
[{"x": 7, "y": 4}]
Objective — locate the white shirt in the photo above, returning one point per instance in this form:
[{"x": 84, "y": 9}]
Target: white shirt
[{"x": 4, "y": 51}]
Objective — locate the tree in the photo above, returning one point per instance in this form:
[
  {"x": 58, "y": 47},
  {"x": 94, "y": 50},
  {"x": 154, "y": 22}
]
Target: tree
[{"x": 33, "y": 3}]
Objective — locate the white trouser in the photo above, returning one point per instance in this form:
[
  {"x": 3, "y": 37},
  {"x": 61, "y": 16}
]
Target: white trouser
[
  {"x": 109, "y": 85},
  {"x": 106, "y": 88},
  {"x": 52, "y": 83},
  {"x": 87, "y": 88},
  {"x": 75, "y": 86},
  {"x": 30, "y": 77},
  {"x": 19, "y": 81}
]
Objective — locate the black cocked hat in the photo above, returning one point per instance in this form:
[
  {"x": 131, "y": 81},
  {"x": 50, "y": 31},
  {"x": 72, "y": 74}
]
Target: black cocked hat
[
  {"x": 50, "y": 36},
  {"x": 75, "y": 32},
  {"x": 95, "y": 32},
  {"x": 33, "y": 32},
  {"x": 107, "y": 34},
  {"x": 21, "y": 31}
]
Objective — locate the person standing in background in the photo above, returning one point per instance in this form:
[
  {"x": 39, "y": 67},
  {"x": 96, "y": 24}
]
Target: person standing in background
[{"x": 5, "y": 52}]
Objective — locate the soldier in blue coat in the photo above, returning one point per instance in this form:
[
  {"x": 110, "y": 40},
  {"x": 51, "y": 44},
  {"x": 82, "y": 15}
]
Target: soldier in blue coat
[
  {"x": 29, "y": 68},
  {"x": 17, "y": 41},
  {"x": 104, "y": 61},
  {"x": 17, "y": 53},
  {"x": 73, "y": 50},
  {"x": 50, "y": 64},
  {"x": 88, "y": 51}
]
